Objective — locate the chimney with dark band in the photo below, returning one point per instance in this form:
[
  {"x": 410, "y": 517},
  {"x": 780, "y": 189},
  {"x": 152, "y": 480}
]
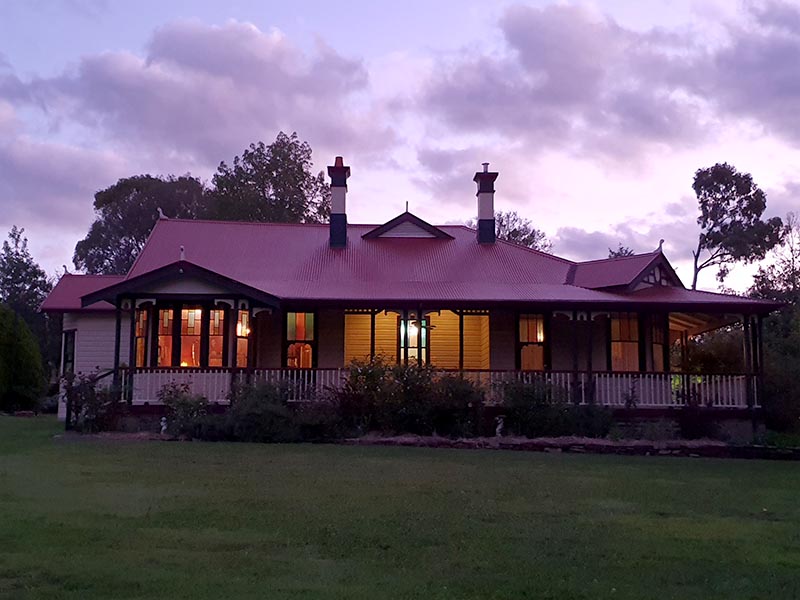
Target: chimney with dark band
[
  {"x": 486, "y": 225},
  {"x": 338, "y": 174}
]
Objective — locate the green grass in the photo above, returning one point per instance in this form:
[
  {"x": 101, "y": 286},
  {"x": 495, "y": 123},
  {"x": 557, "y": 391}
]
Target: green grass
[{"x": 93, "y": 519}]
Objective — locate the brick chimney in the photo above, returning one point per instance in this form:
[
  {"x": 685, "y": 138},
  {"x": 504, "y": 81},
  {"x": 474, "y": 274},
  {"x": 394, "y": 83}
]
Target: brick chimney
[
  {"x": 486, "y": 226},
  {"x": 338, "y": 174}
]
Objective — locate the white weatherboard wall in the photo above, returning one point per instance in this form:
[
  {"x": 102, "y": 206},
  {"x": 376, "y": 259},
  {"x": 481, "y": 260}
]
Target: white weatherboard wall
[
  {"x": 94, "y": 343},
  {"x": 94, "y": 340}
]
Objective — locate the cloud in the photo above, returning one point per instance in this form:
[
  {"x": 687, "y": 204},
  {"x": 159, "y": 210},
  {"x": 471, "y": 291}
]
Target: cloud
[
  {"x": 757, "y": 73},
  {"x": 203, "y": 93},
  {"x": 50, "y": 181},
  {"x": 569, "y": 79}
]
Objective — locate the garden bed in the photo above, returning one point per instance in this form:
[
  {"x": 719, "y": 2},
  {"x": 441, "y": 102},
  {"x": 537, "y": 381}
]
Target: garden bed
[{"x": 569, "y": 444}]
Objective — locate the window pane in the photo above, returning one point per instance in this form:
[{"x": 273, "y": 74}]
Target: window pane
[
  {"x": 532, "y": 358},
  {"x": 309, "y": 326},
  {"x": 531, "y": 329},
  {"x": 241, "y": 352},
  {"x": 164, "y": 350},
  {"x": 625, "y": 356},
  {"x": 164, "y": 337},
  {"x": 291, "y": 326},
  {"x": 299, "y": 356},
  {"x": 140, "y": 352},
  {"x": 69, "y": 352},
  {"x": 216, "y": 338}
]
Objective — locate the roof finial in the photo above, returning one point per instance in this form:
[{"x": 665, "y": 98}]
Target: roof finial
[
  {"x": 161, "y": 214},
  {"x": 660, "y": 245},
  {"x": 406, "y": 205},
  {"x": 183, "y": 253},
  {"x": 66, "y": 270}
]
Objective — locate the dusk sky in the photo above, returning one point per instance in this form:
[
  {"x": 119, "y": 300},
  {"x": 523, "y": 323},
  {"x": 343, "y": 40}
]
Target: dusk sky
[{"x": 596, "y": 114}]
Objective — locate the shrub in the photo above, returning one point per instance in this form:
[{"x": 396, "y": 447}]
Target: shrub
[
  {"x": 457, "y": 407},
  {"x": 260, "y": 413},
  {"x": 93, "y": 407},
  {"x": 21, "y": 371},
  {"x": 184, "y": 409},
  {"x": 391, "y": 398},
  {"x": 539, "y": 409},
  {"x": 535, "y": 408}
]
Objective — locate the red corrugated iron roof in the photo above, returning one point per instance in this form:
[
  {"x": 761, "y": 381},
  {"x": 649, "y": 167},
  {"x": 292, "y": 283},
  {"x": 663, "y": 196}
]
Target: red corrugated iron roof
[
  {"x": 612, "y": 272},
  {"x": 294, "y": 262},
  {"x": 67, "y": 293}
]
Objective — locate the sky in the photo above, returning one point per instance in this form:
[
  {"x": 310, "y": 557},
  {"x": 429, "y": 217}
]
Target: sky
[{"x": 596, "y": 114}]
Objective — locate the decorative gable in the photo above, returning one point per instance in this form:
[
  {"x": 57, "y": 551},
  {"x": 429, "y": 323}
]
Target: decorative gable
[
  {"x": 660, "y": 273},
  {"x": 407, "y": 225}
]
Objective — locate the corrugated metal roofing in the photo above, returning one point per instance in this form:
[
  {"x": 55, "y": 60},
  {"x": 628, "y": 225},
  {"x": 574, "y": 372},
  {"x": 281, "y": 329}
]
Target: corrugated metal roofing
[
  {"x": 66, "y": 295},
  {"x": 294, "y": 262},
  {"x": 611, "y": 272}
]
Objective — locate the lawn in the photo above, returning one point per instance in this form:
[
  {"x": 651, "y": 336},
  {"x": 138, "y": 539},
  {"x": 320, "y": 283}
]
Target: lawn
[{"x": 88, "y": 519}]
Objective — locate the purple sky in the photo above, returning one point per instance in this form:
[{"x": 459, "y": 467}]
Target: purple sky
[{"x": 596, "y": 114}]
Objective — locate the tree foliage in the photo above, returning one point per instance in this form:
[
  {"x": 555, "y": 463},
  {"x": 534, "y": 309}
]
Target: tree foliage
[
  {"x": 125, "y": 214},
  {"x": 779, "y": 279},
  {"x": 620, "y": 252},
  {"x": 23, "y": 287},
  {"x": 21, "y": 372},
  {"x": 510, "y": 226},
  {"x": 271, "y": 183},
  {"x": 731, "y": 228}
]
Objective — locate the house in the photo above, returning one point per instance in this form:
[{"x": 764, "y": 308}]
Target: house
[{"x": 211, "y": 303}]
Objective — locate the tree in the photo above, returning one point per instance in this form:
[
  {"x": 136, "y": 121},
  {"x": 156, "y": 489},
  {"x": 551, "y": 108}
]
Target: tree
[
  {"x": 23, "y": 287},
  {"x": 731, "y": 228},
  {"x": 271, "y": 183},
  {"x": 620, "y": 252},
  {"x": 511, "y": 227},
  {"x": 125, "y": 214},
  {"x": 780, "y": 278},
  {"x": 21, "y": 373}
]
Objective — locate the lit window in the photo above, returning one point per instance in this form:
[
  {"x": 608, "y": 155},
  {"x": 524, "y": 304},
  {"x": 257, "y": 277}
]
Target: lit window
[
  {"x": 300, "y": 340},
  {"x": 531, "y": 341},
  {"x": 165, "y": 337},
  {"x": 624, "y": 342},
  {"x": 191, "y": 319},
  {"x": 414, "y": 339},
  {"x": 140, "y": 331},
  {"x": 242, "y": 336},
  {"x": 216, "y": 338}
]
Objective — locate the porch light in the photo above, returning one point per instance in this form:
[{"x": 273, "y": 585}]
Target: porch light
[
  {"x": 242, "y": 331},
  {"x": 184, "y": 363}
]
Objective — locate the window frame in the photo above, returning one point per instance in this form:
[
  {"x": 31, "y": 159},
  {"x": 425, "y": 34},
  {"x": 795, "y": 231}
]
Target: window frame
[
  {"x": 543, "y": 344},
  {"x": 287, "y": 342},
  {"x": 68, "y": 339},
  {"x": 634, "y": 328}
]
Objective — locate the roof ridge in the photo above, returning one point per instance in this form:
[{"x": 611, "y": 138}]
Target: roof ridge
[{"x": 630, "y": 256}]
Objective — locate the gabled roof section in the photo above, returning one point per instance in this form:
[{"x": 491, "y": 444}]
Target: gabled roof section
[
  {"x": 625, "y": 272},
  {"x": 407, "y": 225},
  {"x": 66, "y": 295},
  {"x": 171, "y": 272}
]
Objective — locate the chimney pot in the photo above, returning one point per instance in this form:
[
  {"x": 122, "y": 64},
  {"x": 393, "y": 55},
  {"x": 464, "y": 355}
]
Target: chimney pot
[
  {"x": 486, "y": 225},
  {"x": 338, "y": 173}
]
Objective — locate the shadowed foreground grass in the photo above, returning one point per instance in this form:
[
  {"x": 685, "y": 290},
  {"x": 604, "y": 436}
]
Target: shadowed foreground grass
[{"x": 92, "y": 519}]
